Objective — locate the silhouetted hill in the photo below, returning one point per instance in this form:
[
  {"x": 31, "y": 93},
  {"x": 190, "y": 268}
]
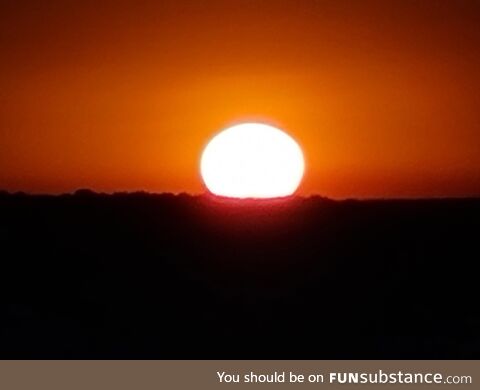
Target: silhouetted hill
[{"x": 177, "y": 276}]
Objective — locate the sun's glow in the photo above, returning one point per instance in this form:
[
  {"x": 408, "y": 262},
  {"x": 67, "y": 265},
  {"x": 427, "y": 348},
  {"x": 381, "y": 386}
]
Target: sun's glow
[{"x": 252, "y": 160}]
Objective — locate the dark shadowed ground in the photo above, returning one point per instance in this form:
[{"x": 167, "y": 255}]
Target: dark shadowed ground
[{"x": 163, "y": 276}]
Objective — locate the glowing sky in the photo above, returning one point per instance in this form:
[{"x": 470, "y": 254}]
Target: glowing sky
[{"x": 383, "y": 96}]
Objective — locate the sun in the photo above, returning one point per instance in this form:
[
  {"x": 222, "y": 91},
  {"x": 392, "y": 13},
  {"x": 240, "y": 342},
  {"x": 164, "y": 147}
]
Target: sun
[{"x": 252, "y": 160}]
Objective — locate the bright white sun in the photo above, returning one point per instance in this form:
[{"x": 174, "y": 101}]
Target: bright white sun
[{"x": 252, "y": 160}]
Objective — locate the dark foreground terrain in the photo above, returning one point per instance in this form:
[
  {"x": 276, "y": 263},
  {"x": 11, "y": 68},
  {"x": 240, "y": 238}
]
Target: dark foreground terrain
[{"x": 163, "y": 276}]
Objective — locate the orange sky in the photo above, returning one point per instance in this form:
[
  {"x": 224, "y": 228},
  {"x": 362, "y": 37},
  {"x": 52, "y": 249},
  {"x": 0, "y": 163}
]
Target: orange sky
[{"x": 383, "y": 96}]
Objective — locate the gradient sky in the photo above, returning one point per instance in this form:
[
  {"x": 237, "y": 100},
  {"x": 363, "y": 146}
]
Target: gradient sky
[{"x": 383, "y": 96}]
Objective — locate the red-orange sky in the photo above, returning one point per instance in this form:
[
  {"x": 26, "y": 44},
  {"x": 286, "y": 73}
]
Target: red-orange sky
[{"x": 383, "y": 96}]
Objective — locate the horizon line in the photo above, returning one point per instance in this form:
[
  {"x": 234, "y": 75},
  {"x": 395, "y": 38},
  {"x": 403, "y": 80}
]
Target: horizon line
[{"x": 90, "y": 192}]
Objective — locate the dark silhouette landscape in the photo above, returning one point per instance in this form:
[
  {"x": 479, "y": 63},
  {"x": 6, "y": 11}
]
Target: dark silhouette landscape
[{"x": 177, "y": 276}]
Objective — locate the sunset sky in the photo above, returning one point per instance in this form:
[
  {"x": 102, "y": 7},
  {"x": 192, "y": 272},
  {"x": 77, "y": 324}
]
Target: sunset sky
[{"x": 382, "y": 96}]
